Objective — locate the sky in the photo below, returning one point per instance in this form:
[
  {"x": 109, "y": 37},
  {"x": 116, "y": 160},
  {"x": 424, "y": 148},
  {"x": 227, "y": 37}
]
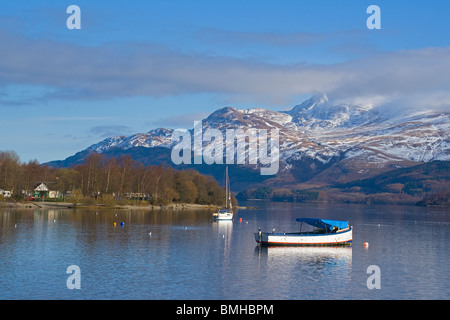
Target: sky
[{"x": 139, "y": 65}]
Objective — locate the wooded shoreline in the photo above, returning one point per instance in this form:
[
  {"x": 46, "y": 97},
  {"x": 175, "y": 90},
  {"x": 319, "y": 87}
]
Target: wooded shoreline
[{"x": 106, "y": 182}]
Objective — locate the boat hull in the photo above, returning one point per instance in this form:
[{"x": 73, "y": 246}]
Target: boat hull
[
  {"x": 304, "y": 239},
  {"x": 223, "y": 216}
]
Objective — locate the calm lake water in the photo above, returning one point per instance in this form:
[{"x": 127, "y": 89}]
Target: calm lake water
[{"x": 185, "y": 255}]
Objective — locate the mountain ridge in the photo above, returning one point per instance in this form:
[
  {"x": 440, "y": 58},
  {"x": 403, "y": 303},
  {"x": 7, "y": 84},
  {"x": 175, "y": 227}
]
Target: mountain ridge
[{"x": 321, "y": 142}]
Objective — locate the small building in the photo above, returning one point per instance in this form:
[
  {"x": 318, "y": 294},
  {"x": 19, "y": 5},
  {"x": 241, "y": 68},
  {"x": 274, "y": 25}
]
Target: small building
[
  {"x": 41, "y": 190},
  {"x": 5, "y": 193},
  {"x": 52, "y": 194}
]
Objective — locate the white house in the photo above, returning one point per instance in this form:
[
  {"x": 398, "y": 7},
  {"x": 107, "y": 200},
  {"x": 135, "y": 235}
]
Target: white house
[
  {"x": 5, "y": 193},
  {"x": 55, "y": 194},
  {"x": 41, "y": 190}
]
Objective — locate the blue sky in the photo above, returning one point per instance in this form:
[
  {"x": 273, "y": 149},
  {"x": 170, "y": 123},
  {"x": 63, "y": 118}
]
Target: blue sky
[{"x": 138, "y": 65}]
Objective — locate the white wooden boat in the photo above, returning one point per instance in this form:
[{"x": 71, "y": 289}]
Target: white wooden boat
[
  {"x": 227, "y": 213},
  {"x": 327, "y": 233}
]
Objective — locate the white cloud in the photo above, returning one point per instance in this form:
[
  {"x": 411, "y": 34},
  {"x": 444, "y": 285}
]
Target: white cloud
[{"x": 132, "y": 69}]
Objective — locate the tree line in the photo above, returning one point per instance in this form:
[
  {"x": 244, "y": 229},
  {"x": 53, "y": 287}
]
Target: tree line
[
  {"x": 272, "y": 194},
  {"x": 112, "y": 179}
]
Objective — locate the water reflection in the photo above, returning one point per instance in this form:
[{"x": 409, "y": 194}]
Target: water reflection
[
  {"x": 224, "y": 230},
  {"x": 185, "y": 255},
  {"x": 307, "y": 255},
  {"x": 308, "y": 263}
]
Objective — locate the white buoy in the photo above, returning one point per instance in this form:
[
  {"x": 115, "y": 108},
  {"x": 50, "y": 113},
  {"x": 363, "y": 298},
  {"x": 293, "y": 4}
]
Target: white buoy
[{"x": 150, "y": 234}]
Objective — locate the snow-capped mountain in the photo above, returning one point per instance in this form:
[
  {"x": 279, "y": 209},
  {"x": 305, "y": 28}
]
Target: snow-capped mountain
[
  {"x": 154, "y": 138},
  {"x": 321, "y": 141},
  {"x": 317, "y": 113}
]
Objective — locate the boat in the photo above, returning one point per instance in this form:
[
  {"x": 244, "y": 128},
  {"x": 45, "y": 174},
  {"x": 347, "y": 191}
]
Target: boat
[
  {"x": 326, "y": 233},
  {"x": 227, "y": 212}
]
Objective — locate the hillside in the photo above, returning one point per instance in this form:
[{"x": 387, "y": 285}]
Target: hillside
[
  {"x": 425, "y": 184},
  {"x": 322, "y": 144},
  {"x": 409, "y": 185}
]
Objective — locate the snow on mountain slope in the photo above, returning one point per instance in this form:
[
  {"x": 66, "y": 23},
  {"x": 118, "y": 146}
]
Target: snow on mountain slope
[
  {"x": 318, "y": 113},
  {"x": 320, "y": 132},
  {"x": 106, "y": 144},
  {"x": 154, "y": 138}
]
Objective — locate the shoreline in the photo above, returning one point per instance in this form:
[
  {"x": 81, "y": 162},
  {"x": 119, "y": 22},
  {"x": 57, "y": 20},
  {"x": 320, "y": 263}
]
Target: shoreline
[{"x": 70, "y": 205}]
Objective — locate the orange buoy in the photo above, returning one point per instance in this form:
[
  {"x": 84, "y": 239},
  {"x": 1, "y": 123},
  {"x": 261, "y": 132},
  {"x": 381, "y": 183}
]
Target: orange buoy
[
  {"x": 366, "y": 244},
  {"x": 240, "y": 219}
]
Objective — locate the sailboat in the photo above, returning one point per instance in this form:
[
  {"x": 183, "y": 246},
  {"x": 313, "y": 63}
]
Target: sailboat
[{"x": 227, "y": 213}]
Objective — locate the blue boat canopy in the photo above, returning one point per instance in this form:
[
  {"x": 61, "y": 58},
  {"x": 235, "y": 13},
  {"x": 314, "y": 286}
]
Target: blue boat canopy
[{"x": 324, "y": 223}]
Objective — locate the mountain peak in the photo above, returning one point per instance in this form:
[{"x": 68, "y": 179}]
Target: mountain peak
[
  {"x": 161, "y": 132},
  {"x": 223, "y": 111},
  {"x": 106, "y": 144},
  {"x": 318, "y": 99},
  {"x": 319, "y": 112},
  {"x": 227, "y": 116},
  {"x": 317, "y": 133}
]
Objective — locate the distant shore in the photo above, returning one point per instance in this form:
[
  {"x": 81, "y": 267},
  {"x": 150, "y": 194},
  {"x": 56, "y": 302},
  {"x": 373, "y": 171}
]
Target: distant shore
[{"x": 70, "y": 205}]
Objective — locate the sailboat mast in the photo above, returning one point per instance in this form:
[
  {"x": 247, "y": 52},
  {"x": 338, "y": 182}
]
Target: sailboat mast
[{"x": 226, "y": 188}]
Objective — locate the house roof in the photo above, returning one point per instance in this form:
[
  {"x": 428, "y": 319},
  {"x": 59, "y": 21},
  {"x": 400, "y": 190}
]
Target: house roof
[{"x": 41, "y": 187}]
